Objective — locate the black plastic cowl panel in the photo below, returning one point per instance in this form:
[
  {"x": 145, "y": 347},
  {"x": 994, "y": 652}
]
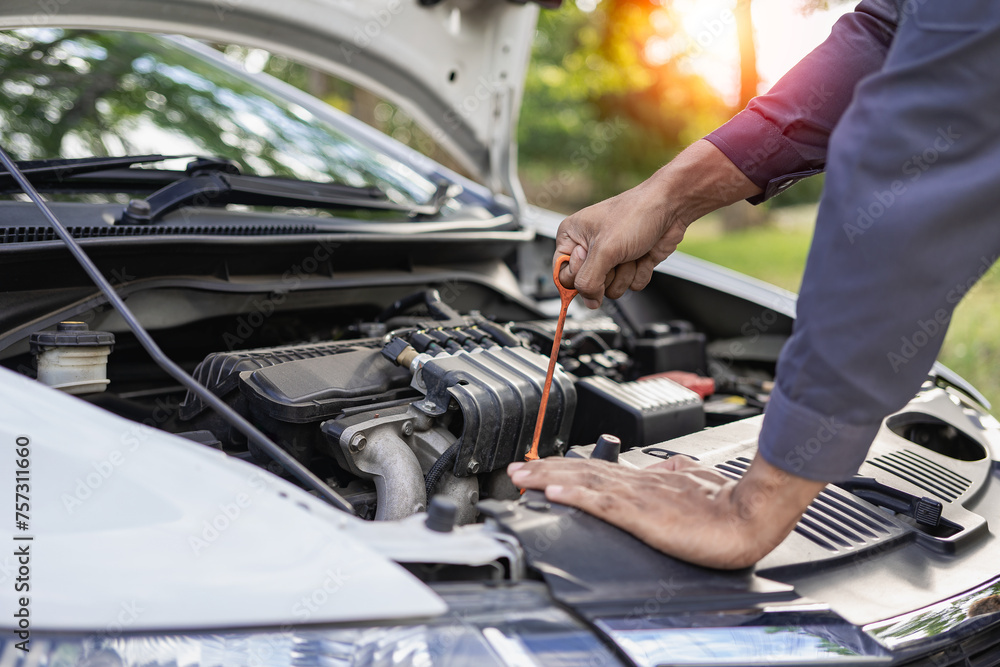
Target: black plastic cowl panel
[{"x": 598, "y": 569}]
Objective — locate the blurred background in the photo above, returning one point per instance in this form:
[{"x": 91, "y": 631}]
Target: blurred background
[{"x": 617, "y": 87}]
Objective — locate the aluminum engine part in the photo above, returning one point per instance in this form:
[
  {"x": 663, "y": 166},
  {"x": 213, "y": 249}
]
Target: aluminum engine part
[
  {"x": 498, "y": 392},
  {"x": 395, "y": 447}
]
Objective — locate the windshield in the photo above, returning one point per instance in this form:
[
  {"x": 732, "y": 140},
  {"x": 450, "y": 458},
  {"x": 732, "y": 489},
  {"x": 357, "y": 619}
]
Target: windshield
[{"x": 76, "y": 93}]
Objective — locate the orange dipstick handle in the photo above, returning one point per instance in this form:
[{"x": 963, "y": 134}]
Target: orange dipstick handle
[{"x": 566, "y": 295}]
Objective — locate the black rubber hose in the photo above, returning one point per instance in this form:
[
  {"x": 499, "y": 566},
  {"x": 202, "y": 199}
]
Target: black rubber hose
[
  {"x": 575, "y": 341},
  {"x": 252, "y": 433},
  {"x": 401, "y": 306},
  {"x": 438, "y": 308},
  {"x": 500, "y": 334},
  {"x": 446, "y": 461},
  {"x": 431, "y": 298}
]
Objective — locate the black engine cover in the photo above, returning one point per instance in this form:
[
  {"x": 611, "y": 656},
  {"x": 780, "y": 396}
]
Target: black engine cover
[{"x": 499, "y": 391}]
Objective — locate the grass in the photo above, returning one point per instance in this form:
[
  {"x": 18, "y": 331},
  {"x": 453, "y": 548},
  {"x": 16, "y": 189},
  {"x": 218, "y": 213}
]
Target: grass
[{"x": 776, "y": 253}]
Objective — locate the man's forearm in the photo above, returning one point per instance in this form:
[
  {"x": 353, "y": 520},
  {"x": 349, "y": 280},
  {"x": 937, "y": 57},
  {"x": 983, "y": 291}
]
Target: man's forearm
[
  {"x": 769, "y": 502},
  {"x": 701, "y": 179},
  {"x": 615, "y": 244}
]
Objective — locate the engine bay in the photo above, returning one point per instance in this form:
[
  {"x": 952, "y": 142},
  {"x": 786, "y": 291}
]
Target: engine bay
[
  {"x": 393, "y": 403},
  {"x": 408, "y": 391}
]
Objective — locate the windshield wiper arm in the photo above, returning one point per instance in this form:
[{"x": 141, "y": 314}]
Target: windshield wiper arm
[
  {"x": 216, "y": 182},
  {"x": 207, "y": 181},
  {"x": 56, "y": 170}
]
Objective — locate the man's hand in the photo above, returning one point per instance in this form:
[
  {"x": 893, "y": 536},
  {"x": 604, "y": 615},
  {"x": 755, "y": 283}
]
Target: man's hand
[
  {"x": 615, "y": 244},
  {"x": 679, "y": 506}
]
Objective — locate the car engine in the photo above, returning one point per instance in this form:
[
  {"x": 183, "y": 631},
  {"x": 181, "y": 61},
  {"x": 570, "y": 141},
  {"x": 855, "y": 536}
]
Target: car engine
[
  {"x": 393, "y": 408},
  {"x": 441, "y": 404}
]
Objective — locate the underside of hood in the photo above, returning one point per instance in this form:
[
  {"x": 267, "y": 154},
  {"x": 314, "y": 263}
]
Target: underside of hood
[{"x": 457, "y": 67}]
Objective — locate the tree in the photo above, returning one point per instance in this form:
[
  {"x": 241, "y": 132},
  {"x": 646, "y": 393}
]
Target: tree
[
  {"x": 602, "y": 110},
  {"x": 749, "y": 80}
]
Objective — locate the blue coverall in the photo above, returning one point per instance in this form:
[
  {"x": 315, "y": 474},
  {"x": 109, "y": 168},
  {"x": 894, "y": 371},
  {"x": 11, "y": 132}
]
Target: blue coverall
[{"x": 901, "y": 105}]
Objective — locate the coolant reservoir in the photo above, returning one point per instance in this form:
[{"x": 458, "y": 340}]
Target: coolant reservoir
[{"x": 73, "y": 358}]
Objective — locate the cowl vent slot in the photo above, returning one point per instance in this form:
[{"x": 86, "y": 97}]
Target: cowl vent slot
[
  {"x": 834, "y": 521},
  {"x": 923, "y": 473},
  {"x": 35, "y": 234}
]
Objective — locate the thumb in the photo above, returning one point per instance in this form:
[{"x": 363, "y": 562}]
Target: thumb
[{"x": 590, "y": 279}]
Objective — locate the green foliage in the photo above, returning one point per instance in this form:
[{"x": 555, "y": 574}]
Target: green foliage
[
  {"x": 597, "y": 118},
  {"x": 776, "y": 255}
]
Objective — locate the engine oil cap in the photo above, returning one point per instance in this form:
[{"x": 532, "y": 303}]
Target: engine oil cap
[{"x": 70, "y": 334}]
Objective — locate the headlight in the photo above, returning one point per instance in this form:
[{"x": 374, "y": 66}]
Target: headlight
[
  {"x": 483, "y": 627},
  {"x": 746, "y": 640}
]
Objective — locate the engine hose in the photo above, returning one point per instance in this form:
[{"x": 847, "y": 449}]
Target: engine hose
[
  {"x": 401, "y": 306},
  {"x": 575, "y": 341},
  {"x": 438, "y": 308},
  {"x": 500, "y": 334},
  {"x": 431, "y": 298},
  {"x": 440, "y": 466}
]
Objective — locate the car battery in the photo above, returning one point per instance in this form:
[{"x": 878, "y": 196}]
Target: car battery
[{"x": 643, "y": 412}]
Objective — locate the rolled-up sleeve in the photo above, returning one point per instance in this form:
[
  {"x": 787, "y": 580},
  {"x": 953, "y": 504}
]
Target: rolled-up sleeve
[{"x": 781, "y": 137}]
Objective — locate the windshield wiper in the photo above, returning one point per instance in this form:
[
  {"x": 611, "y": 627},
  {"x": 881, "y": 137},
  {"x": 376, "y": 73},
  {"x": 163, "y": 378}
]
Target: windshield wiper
[
  {"x": 208, "y": 181},
  {"x": 45, "y": 172},
  {"x": 217, "y": 182}
]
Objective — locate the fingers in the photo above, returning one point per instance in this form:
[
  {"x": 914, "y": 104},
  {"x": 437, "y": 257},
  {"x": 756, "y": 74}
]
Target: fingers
[
  {"x": 643, "y": 272},
  {"x": 624, "y": 275},
  {"x": 568, "y": 272},
  {"x": 582, "y": 261},
  {"x": 677, "y": 462},
  {"x": 595, "y": 276},
  {"x": 613, "y": 246},
  {"x": 596, "y": 487},
  {"x": 602, "y": 505},
  {"x": 610, "y": 477},
  {"x": 593, "y": 474},
  {"x": 577, "y": 256}
]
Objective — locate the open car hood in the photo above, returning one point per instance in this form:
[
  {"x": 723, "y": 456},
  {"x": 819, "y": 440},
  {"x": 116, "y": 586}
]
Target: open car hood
[{"x": 457, "y": 67}]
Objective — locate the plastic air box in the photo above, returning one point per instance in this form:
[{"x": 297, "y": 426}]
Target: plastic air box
[{"x": 641, "y": 413}]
